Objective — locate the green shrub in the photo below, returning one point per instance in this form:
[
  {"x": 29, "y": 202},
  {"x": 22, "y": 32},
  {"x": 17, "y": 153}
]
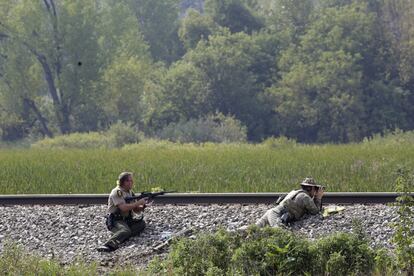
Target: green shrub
[
  {"x": 213, "y": 128},
  {"x": 269, "y": 251},
  {"x": 272, "y": 251},
  {"x": 397, "y": 137},
  {"x": 336, "y": 264},
  {"x": 76, "y": 141},
  {"x": 206, "y": 253},
  {"x": 404, "y": 228},
  {"x": 384, "y": 263},
  {"x": 122, "y": 134},
  {"x": 346, "y": 253},
  {"x": 118, "y": 135}
]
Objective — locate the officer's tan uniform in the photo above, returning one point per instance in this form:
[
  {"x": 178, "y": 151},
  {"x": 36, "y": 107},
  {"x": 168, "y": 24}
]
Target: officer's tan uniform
[
  {"x": 296, "y": 203},
  {"x": 125, "y": 225}
]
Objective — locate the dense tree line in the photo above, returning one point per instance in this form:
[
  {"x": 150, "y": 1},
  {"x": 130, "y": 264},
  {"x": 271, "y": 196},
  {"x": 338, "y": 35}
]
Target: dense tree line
[{"x": 315, "y": 71}]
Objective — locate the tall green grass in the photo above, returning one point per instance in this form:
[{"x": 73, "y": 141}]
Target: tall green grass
[
  {"x": 204, "y": 168},
  {"x": 15, "y": 260}
]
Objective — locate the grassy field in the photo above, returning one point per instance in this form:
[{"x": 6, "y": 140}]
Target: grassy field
[{"x": 205, "y": 168}]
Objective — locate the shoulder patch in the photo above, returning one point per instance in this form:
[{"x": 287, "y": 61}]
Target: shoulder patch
[{"x": 119, "y": 193}]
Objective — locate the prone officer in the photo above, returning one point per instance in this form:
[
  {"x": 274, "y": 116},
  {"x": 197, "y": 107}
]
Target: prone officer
[{"x": 294, "y": 205}]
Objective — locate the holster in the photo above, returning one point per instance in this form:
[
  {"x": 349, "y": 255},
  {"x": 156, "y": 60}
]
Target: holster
[{"x": 110, "y": 221}]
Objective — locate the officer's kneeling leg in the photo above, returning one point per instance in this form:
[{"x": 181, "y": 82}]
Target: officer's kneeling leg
[{"x": 137, "y": 226}]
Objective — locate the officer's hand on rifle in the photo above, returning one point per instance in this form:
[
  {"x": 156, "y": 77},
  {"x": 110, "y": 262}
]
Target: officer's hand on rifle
[
  {"x": 149, "y": 202},
  {"x": 319, "y": 193},
  {"x": 140, "y": 205}
]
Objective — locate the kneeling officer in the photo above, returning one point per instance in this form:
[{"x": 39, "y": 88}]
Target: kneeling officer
[{"x": 120, "y": 220}]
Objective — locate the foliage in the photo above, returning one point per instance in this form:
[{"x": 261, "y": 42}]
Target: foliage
[
  {"x": 124, "y": 83},
  {"x": 186, "y": 92},
  {"x": 267, "y": 251},
  {"x": 272, "y": 252},
  {"x": 214, "y": 128},
  {"x": 313, "y": 71},
  {"x": 122, "y": 134},
  {"x": 345, "y": 254},
  {"x": 236, "y": 68},
  {"x": 15, "y": 260},
  {"x": 276, "y": 142},
  {"x": 329, "y": 48},
  {"x": 117, "y": 135},
  {"x": 158, "y": 22},
  {"x": 207, "y": 167},
  {"x": 396, "y": 137},
  {"x": 233, "y": 14},
  {"x": 75, "y": 141},
  {"x": 195, "y": 27},
  {"x": 404, "y": 228},
  {"x": 385, "y": 263}
]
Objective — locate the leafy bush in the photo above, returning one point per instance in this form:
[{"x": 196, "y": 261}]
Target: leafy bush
[
  {"x": 213, "y": 128},
  {"x": 118, "y": 135},
  {"x": 204, "y": 255},
  {"x": 122, "y": 134},
  {"x": 272, "y": 251},
  {"x": 268, "y": 251},
  {"x": 76, "y": 140},
  {"x": 397, "y": 137},
  {"x": 404, "y": 228},
  {"x": 384, "y": 262},
  {"x": 345, "y": 254}
]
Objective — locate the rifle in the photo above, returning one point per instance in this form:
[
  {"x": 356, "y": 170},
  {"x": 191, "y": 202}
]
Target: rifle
[
  {"x": 149, "y": 195},
  {"x": 323, "y": 188},
  {"x": 162, "y": 244}
]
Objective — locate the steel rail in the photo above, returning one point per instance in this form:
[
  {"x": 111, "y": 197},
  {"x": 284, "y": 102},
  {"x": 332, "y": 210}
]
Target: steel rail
[{"x": 196, "y": 198}]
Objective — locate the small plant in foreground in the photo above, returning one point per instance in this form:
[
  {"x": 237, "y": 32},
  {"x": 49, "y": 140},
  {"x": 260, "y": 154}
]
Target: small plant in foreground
[{"x": 404, "y": 228}]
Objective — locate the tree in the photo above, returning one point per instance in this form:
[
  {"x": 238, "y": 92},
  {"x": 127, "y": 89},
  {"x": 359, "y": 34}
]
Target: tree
[
  {"x": 186, "y": 93},
  {"x": 124, "y": 81},
  {"x": 158, "y": 22},
  {"x": 233, "y": 64},
  {"x": 195, "y": 27},
  {"x": 289, "y": 18},
  {"x": 56, "y": 52},
  {"x": 321, "y": 94},
  {"x": 46, "y": 33},
  {"x": 233, "y": 14}
]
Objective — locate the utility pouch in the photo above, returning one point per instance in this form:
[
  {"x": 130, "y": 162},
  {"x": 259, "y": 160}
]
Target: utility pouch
[
  {"x": 110, "y": 221},
  {"x": 285, "y": 217}
]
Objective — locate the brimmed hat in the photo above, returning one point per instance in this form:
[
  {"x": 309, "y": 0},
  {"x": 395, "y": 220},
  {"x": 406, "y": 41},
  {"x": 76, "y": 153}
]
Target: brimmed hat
[{"x": 309, "y": 181}]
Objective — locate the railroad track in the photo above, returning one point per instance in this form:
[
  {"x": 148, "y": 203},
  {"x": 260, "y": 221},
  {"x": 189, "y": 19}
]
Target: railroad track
[{"x": 196, "y": 198}]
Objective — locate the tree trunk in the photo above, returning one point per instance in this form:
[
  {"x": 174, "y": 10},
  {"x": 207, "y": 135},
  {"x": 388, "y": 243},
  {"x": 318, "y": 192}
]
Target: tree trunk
[
  {"x": 61, "y": 109},
  {"x": 43, "y": 122}
]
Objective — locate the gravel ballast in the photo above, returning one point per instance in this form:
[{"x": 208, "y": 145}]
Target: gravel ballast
[{"x": 70, "y": 232}]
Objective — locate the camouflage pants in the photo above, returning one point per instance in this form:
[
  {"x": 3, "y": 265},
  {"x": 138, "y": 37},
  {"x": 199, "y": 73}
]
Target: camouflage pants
[
  {"x": 123, "y": 230},
  {"x": 271, "y": 218}
]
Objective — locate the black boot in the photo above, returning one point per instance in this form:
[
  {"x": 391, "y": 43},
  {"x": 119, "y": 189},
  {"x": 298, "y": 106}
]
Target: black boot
[{"x": 106, "y": 248}]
